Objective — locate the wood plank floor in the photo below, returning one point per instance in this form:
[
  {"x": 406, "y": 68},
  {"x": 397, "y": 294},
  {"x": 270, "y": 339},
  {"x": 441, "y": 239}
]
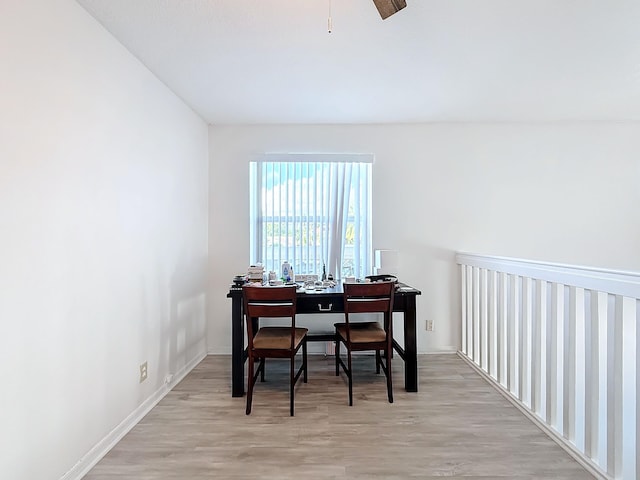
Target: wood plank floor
[{"x": 456, "y": 426}]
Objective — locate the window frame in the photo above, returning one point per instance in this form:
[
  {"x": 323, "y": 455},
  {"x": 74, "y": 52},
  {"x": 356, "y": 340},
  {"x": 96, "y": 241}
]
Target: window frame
[{"x": 257, "y": 242}]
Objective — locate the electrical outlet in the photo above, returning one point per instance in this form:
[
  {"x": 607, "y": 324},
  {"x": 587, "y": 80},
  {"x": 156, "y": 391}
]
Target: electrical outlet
[
  {"x": 429, "y": 325},
  {"x": 143, "y": 372}
]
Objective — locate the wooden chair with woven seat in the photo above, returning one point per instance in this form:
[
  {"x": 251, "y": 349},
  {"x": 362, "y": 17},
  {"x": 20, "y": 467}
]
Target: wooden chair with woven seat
[
  {"x": 362, "y": 336},
  {"x": 273, "y": 342}
]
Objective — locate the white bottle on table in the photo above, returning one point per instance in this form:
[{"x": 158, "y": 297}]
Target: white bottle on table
[{"x": 287, "y": 272}]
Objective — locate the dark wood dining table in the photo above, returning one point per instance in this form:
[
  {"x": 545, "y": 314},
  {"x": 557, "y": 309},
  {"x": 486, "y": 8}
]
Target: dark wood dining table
[{"x": 327, "y": 300}]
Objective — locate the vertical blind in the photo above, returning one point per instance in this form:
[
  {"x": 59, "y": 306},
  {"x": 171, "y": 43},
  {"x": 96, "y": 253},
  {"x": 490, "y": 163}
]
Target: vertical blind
[{"x": 313, "y": 213}]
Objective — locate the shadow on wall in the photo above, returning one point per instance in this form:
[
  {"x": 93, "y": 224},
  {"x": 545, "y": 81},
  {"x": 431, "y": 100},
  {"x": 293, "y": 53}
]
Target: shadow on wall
[{"x": 186, "y": 334}]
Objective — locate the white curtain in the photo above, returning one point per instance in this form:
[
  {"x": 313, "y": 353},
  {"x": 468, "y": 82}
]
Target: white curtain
[{"x": 336, "y": 203}]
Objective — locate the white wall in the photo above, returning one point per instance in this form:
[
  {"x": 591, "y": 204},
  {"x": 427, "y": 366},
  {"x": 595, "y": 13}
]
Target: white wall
[
  {"x": 103, "y": 243},
  {"x": 564, "y": 193}
]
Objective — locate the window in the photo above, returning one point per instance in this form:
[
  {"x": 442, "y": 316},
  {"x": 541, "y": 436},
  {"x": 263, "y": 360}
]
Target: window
[{"x": 314, "y": 211}]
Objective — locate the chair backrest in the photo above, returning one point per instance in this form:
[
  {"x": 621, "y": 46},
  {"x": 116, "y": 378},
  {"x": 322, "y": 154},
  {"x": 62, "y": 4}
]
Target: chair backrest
[
  {"x": 369, "y": 298},
  {"x": 269, "y": 302}
]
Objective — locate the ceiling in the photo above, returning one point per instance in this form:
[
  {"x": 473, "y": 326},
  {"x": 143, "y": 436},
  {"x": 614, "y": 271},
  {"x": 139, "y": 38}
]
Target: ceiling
[{"x": 274, "y": 61}]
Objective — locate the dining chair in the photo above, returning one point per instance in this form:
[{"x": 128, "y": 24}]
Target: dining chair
[
  {"x": 273, "y": 341},
  {"x": 366, "y": 298}
]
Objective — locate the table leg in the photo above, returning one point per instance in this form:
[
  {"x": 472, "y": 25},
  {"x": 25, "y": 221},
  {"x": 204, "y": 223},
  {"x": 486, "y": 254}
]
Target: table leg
[
  {"x": 237, "y": 347},
  {"x": 410, "y": 346}
]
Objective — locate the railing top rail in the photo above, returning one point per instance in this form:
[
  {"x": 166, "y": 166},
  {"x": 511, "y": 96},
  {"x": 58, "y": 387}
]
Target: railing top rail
[{"x": 617, "y": 282}]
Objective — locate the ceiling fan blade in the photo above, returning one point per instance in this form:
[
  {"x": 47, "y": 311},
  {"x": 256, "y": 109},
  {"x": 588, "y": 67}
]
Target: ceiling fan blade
[{"x": 386, "y": 8}]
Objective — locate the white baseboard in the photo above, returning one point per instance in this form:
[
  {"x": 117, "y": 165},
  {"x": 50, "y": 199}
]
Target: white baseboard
[{"x": 100, "y": 449}]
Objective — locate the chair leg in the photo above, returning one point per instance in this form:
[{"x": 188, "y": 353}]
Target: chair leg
[
  {"x": 262, "y": 367},
  {"x": 337, "y": 356},
  {"x": 304, "y": 360},
  {"x": 378, "y": 361},
  {"x": 250, "y": 385},
  {"x": 350, "y": 376},
  {"x": 292, "y": 374},
  {"x": 389, "y": 382}
]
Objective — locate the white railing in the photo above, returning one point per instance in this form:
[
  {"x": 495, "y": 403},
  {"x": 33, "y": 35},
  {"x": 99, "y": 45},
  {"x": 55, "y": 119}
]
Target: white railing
[{"x": 562, "y": 342}]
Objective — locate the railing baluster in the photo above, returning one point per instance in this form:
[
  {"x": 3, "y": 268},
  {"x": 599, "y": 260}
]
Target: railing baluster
[
  {"x": 527, "y": 337},
  {"x": 518, "y": 330},
  {"x": 599, "y": 434},
  {"x": 514, "y": 335},
  {"x": 502, "y": 322},
  {"x": 558, "y": 370},
  {"x": 463, "y": 303},
  {"x": 550, "y": 356},
  {"x": 580, "y": 390},
  {"x": 470, "y": 339},
  {"x": 484, "y": 328},
  {"x": 476, "y": 315},
  {"x": 590, "y": 374},
  {"x": 569, "y": 364},
  {"x": 493, "y": 324},
  {"x": 613, "y": 351},
  {"x": 617, "y": 404},
  {"x": 539, "y": 383},
  {"x": 629, "y": 388}
]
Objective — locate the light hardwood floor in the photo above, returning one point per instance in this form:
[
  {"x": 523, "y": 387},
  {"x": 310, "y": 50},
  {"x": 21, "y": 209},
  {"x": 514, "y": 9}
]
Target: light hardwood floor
[{"x": 456, "y": 425}]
